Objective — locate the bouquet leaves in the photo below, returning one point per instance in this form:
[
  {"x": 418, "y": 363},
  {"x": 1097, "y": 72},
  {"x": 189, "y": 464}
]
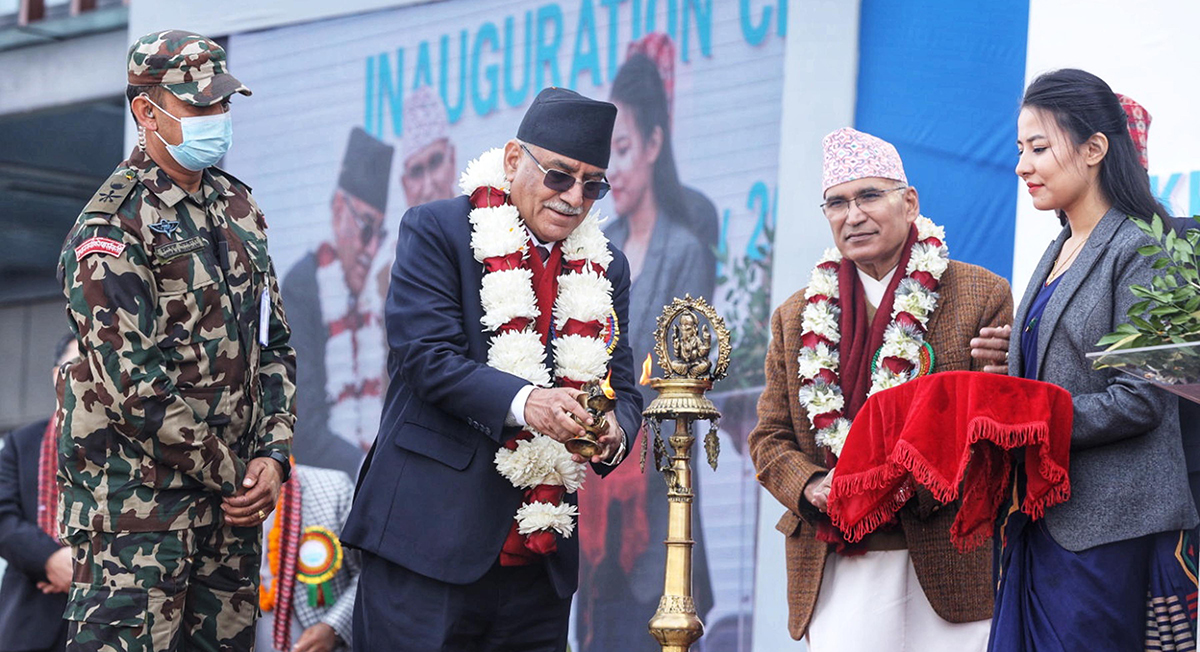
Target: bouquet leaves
[{"x": 1169, "y": 310}]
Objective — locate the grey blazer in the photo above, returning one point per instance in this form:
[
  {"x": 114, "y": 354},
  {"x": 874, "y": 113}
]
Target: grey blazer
[{"x": 1128, "y": 476}]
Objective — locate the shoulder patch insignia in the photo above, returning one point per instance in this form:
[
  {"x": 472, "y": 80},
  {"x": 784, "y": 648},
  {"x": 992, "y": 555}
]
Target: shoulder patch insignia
[
  {"x": 110, "y": 195},
  {"x": 99, "y": 245},
  {"x": 178, "y": 248}
]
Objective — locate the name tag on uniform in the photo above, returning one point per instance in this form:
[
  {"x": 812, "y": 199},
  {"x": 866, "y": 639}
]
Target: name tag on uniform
[
  {"x": 264, "y": 316},
  {"x": 175, "y": 249}
]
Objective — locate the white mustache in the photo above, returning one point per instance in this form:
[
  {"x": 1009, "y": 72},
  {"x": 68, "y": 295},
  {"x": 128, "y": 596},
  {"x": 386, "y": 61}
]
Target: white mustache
[{"x": 563, "y": 207}]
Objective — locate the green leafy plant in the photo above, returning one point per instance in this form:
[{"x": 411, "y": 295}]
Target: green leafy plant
[
  {"x": 746, "y": 281},
  {"x": 1169, "y": 310}
]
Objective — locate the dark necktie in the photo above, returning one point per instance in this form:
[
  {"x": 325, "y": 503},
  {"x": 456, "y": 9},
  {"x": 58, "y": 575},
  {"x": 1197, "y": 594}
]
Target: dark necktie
[{"x": 542, "y": 253}]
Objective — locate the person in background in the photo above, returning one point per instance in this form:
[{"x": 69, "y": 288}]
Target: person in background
[
  {"x": 1119, "y": 551},
  {"x": 904, "y": 586},
  {"x": 308, "y": 600},
  {"x": 337, "y": 320},
  {"x": 661, "y": 233},
  {"x": 39, "y": 572}
]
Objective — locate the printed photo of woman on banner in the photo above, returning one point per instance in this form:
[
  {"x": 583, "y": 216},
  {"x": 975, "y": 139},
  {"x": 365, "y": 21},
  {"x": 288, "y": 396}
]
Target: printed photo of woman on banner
[{"x": 669, "y": 233}]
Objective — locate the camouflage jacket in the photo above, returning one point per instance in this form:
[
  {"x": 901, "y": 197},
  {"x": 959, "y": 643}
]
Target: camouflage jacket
[{"x": 177, "y": 387}]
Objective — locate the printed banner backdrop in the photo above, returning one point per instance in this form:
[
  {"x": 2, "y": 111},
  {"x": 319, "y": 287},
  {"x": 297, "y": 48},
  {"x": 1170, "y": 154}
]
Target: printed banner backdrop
[{"x": 356, "y": 118}]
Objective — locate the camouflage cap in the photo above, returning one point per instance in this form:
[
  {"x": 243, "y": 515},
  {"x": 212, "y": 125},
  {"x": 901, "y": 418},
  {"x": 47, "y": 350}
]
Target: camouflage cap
[{"x": 191, "y": 66}]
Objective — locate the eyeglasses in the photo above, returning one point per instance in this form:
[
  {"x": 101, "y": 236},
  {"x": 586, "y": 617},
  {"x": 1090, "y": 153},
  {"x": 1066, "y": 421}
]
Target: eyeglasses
[
  {"x": 560, "y": 181},
  {"x": 866, "y": 201},
  {"x": 423, "y": 168},
  {"x": 370, "y": 227}
]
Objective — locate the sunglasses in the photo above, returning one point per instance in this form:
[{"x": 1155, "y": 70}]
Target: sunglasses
[
  {"x": 560, "y": 181},
  {"x": 370, "y": 227}
]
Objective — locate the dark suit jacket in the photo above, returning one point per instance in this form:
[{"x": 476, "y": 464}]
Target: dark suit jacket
[
  {"x": 1128, "y": 471},
  {"x": 959, "y": 587},
  {"x": 429, "y": 497},
  {"x": 29, "y": 619}
]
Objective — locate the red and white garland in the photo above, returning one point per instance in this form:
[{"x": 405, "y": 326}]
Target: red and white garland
[
  {"x": 500, "y": 240},
  {"x": 903, "y": 339}
]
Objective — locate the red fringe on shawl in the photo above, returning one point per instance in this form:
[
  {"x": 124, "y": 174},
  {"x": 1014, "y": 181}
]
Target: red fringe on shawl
[{"x": 952, "y": 432}]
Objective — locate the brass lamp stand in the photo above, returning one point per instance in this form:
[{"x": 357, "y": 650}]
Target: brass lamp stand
[{"x": 688, "y": 326}]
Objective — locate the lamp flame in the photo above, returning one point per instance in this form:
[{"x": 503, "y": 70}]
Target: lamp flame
[
  {"x": 606, "y": 386},
  {"x": 645, "y": 371}
]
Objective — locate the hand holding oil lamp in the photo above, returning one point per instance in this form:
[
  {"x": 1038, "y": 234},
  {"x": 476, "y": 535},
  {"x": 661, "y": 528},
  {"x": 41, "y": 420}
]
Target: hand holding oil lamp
[{"x": 597, "y": 399}]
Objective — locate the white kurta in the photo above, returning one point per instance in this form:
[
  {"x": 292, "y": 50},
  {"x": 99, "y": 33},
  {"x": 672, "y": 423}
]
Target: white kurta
[{"x": 874, "y": 603}]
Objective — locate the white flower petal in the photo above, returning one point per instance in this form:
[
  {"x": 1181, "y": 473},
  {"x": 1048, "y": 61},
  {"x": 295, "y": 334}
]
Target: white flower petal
[
  {"x": 579, "y": 358},
  {"x": 487, "y": 170},
  {"x": 824, "y": 283},
  {"x": 521, "y": 354},
  {"x": 831, "y": 255},
  {"x": 538, "y": 516},
  {"x": 538, "y": 461},
  {"x": 834, "y": 437},
  {"x": 927, "y": 229},
  {"x": 812, "y": 361},
  {"x": 587, "y": 242},
  {"x": 821, "y": 318},
  {"x": 506, "y": 295},
  {"x": 496, "y": 231},
  {"x": 584, "y": 297}
]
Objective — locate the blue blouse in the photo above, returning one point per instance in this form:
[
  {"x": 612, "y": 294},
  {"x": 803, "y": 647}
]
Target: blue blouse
[{"x": 1029, "y": 336}]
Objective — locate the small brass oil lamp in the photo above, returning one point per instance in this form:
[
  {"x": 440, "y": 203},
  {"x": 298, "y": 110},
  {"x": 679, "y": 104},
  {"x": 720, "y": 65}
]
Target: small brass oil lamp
[{"x": 597, "y": 398}]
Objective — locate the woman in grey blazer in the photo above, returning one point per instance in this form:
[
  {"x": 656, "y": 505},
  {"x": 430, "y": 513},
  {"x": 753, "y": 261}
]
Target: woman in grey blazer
[{"x": 1113, "y": 567}]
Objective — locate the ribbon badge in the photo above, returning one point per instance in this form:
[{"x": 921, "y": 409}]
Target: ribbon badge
[
  {"x": 610, "y": 331},
  {"x": 319, "y": 560},
  {"x": 925, "y": 361}
]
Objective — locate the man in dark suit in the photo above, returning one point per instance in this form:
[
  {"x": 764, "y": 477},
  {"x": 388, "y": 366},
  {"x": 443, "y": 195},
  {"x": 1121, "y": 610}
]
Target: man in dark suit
[
  {"x": 39, "y": 567},
  {"x": 490, "y": 335}
]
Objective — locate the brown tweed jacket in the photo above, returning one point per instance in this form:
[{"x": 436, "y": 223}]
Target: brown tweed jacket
[{"x": 959, "y": 587}]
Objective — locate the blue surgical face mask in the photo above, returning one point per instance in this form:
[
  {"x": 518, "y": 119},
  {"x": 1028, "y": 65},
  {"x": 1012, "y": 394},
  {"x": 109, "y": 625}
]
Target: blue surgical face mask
[{"x": 205, "y": 139}]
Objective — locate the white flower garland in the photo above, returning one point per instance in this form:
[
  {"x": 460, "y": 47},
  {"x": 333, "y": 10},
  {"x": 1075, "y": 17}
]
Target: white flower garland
[
  {"x": 820, "y": 382},
  {"x": 505, "y": 295}
]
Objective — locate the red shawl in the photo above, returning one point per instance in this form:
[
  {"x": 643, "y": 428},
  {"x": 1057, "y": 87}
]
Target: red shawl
[
  {"x": 860, "y": 340},
  {"x": 952, "y": 432}
]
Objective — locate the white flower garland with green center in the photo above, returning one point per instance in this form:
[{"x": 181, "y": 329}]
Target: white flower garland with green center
[
  {"x": 820, "y": 317},
  {"x": 506, "y": 295}
]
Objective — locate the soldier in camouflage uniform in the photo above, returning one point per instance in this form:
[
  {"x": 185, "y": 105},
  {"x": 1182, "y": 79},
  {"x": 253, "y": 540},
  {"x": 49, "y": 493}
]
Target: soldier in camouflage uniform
[{"x": 177, "y": 421}]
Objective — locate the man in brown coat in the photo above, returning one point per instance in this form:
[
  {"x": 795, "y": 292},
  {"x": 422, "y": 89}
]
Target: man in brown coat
[{"x": 886, "y": 306}]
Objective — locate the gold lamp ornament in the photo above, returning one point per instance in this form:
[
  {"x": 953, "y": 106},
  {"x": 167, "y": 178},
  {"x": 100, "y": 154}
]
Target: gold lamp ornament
[{"x": 684, "y": 344}]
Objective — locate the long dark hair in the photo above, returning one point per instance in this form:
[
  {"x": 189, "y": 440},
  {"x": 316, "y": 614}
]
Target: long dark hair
[
  {"x": 1083, "y": 105},
  {"x": 640, "y": 88}
]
